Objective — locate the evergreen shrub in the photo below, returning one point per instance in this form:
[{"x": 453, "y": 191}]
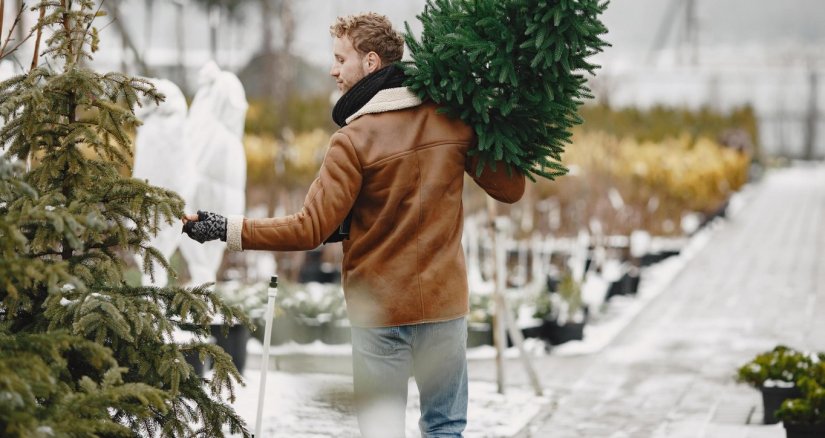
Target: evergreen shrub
[{"x": 513, "y": 70}]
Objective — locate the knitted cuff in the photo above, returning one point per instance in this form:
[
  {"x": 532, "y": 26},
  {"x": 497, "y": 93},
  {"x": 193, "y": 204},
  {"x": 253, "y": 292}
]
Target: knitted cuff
[{"x": 234, "y": 229}]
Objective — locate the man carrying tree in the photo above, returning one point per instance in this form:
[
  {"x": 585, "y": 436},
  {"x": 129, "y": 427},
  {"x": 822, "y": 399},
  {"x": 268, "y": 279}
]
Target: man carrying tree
[{"x": 392, "y": 179}]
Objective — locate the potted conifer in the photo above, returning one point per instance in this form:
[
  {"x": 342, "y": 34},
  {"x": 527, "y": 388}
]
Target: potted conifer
[
  {"x": 305, "y": 313},
  {"x": 544, "y": 309},
  {"x": 572, "y": 312},
  {"x": 775, "y": 373},
  {"x": 233, "y": 337},
  {"x": 480, "y": 321},
  {"x": 804, "y": 416},
  {"x": 523, "y": 79},
  {"x": 84, "y": 353},
  {"x": 563, "y": 312}
]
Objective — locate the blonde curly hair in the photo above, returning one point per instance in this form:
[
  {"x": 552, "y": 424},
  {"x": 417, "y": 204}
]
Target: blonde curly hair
[{"x": 370, "y": 32}]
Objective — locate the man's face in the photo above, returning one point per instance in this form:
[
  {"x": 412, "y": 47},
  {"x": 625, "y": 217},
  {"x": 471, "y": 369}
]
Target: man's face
[{"x": 349, "y": 66}]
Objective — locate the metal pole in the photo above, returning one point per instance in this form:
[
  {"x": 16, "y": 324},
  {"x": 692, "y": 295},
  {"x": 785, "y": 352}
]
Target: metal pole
[{"x": 270, "y": 304}]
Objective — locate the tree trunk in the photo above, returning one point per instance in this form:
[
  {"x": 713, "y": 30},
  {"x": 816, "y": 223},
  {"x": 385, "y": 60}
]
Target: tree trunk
[
  {"x": 147, "y": 27},
  {"x": 179, "y": 41},
  {"x": 811, "y": 118},
  {"x": 285, "y": 60},
  {"x": 214, "y": 21},
  {"x": 270, "y": 75},
  {"x": 117, "y": 20},
  {"x": 20, "y": 31}
]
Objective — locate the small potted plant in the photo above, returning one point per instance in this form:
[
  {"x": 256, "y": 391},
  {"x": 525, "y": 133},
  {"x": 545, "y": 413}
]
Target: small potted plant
[
  {"x": 563, "y": 312},
  {"x": 545, "y": 311},
  {"x": 310, "y": 312},
  {"x": 804, "y": 417},
  {"x": 775, "y": 374},
  {"x": 572, "y": 312},
  {"x": 233, "y": 338},
  {"x": 480, "y": 321}
]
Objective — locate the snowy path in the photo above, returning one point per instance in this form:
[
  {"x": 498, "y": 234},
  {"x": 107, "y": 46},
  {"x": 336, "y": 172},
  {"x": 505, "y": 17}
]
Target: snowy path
[
  {"x": 320, "y": 406},
  {"x": 665, "y": 371},
  {"x": 758, "y": 282}
]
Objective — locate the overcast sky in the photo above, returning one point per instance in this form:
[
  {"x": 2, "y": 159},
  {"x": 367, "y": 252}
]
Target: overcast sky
[{"x": 633, "y": 26}]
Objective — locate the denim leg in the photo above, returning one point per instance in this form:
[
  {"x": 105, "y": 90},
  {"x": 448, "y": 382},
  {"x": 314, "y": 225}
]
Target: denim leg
[
  {"x": 440, "y": 369},
  {"x": 382, "y": 364}
]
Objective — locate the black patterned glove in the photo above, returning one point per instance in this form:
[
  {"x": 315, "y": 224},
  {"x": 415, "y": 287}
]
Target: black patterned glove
[{"x": 209, "y": 226}]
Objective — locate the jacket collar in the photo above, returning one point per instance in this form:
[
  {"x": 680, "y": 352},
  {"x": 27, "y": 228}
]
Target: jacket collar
[{"x": 390, "y": 99}]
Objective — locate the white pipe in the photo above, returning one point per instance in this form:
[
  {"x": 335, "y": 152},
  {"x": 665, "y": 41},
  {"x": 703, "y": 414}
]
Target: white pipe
[{"x": 270, "y": 304}]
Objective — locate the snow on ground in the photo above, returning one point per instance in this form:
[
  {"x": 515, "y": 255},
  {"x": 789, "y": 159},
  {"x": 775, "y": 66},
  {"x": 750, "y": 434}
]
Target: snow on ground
[
  {"x": 320, "y": 405},
  {"x": 312, "y": 405},
  {"x": 618, "y": 313}
]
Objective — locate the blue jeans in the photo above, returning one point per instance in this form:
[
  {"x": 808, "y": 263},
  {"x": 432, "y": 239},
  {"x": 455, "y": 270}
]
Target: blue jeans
[{"x": 383, "y": 360}]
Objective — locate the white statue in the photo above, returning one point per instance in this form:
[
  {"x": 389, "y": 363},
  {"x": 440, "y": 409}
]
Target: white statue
[
  {"x": 214, "y": 132},
  {"x": 163, "y": 158}
]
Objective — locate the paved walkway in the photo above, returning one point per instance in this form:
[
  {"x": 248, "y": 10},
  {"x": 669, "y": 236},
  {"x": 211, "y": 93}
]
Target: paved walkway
[{"x": 758, "y": 282}]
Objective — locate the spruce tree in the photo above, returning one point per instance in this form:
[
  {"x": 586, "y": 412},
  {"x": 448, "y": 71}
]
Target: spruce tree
[
  {"x": 81, "y": 352},
  {"x": 511, "y": 69}
]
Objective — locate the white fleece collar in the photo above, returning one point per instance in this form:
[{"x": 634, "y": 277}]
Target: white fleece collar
[{"x": 391, "y": 99}]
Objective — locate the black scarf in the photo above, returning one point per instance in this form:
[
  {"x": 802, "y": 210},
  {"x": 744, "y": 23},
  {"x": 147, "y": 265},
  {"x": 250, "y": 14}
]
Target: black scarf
[
  {"x": 364, "y": 90},
  {"x": 352, "y": 101}
]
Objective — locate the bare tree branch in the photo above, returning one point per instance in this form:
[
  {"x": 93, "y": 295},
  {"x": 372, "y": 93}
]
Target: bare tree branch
[
  {"x": 114, "y": 10},
  {"x": 37, "y": 40},
  {"x": 4, "y": 45}
]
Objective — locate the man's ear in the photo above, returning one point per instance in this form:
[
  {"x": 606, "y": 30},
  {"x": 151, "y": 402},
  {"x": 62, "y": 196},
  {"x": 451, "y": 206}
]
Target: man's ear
[{"x": 372, "y": 62}]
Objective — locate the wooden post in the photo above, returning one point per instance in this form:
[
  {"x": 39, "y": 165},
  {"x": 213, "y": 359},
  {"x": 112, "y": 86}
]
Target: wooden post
[
  {"x": 502, "y": 319},
  {"x": 499, "y": 336}
]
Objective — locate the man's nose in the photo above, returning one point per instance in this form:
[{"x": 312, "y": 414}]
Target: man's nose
[{"x": 333, "y": 71}]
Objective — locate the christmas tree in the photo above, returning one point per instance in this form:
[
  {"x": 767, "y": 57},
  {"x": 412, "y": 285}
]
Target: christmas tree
[
  {"x": 511, "y": 69},
  {"x": 81, "y": 352}
]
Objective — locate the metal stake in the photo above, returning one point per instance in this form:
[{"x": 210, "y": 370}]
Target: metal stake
[{"x": 270, "y": 304}]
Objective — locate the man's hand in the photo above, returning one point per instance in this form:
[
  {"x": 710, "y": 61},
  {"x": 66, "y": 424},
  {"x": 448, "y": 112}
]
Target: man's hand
[{"x": 205, "y": 226}]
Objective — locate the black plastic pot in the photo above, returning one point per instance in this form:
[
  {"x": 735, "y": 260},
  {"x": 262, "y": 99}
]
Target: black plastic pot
[
  {"x": 282, "y": 328},
  {"x": 479, "y": 333},
  {"x": 631, "y": 283},
  {"x": 233, "y": 342},
  {"x": 336, "y": 333},
  {"x": 772, "y": 398},
  {"x": 552, "y": 283},
  {"x": 626, "y": 285},
  {"x": 193, "y": 359},
  {"x": 531, "y": 332},
  {"x": 615, "y": 288},
  {"x": 307, "y": 330},
  {"x": 804, "y": 430},
  {"x": 557, "y": 334},
  {"x": 653, "y": 258}
]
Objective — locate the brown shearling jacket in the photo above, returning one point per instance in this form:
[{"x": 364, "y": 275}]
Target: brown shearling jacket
[{"x": 399, "y": 166}]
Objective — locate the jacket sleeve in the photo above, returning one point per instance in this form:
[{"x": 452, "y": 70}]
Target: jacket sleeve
[
  {"x": 503, "y": 184},
  {"x": 329, "y": 200}
]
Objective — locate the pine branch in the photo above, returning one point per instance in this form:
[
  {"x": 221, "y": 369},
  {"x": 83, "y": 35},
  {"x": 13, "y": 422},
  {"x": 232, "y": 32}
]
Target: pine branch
[
  {"x": 67, "y": 223},
  {"x": 521, "y": 84}
]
